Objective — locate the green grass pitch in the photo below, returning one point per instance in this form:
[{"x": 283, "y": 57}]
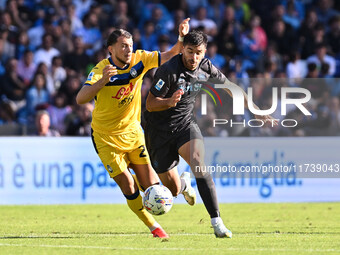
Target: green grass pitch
[{"x": 302, "y": 228}]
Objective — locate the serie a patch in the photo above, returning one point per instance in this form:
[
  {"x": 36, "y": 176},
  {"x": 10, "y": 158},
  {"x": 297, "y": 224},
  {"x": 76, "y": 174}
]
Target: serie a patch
[
  {"x": 159, "y": 84},
  {"x": 89, "y": 78}
]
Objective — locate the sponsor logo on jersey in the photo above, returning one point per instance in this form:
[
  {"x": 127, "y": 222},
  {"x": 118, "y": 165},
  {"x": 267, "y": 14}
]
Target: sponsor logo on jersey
[
  {"x": 159, "y": 84},
  {"x": 112, "y": 79},
  {"x": 126, "y": 101},
  {"x": 124, "y": 91},
  {"x": 182, "y": 87},
  {"x": 180, "y": 80}
]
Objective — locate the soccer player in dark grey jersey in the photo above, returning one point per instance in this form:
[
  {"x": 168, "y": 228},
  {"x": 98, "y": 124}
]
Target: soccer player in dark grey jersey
[{"x": 171, "y": 130}]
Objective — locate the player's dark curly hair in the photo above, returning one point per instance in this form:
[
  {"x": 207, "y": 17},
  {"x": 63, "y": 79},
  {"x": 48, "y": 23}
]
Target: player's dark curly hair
[
  {"x": 196, "y": 38},
  {"x": 113, "y": 37}
]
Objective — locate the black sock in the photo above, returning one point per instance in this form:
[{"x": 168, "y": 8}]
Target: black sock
[{"x": 207, "y": 190}]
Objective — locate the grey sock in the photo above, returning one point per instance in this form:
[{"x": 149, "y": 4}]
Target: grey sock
[{"x": 183, "y": 185}]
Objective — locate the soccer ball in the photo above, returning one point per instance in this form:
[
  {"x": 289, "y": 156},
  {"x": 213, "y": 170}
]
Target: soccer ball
[{"x": 157, "y": 199}]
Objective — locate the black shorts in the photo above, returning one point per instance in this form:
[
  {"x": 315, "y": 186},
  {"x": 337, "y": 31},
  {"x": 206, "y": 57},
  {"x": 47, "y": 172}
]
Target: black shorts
[{"x": 163, "y": 145}]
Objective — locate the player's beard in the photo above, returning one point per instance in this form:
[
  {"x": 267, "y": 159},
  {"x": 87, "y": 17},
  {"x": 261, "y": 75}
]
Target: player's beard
[
  {"x": 189, "y": 64},
  {"x": 122, "y": 61}
]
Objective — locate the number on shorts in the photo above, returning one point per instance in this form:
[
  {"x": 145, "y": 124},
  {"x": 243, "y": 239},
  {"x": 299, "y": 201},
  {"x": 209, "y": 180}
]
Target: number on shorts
[{"x": 142, "y": 155}]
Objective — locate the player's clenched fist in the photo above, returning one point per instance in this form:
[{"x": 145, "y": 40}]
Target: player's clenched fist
[
  {"x": 108, "y": 72},
  {"x": 176, "y": 97}
]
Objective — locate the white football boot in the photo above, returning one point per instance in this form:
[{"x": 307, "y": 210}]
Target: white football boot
[
  {"x": 189, "y": 193},
  {"x": 221, "y": 231}
]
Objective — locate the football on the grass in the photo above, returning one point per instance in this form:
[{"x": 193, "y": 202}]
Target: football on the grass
[{"x": 157, "y": 199}]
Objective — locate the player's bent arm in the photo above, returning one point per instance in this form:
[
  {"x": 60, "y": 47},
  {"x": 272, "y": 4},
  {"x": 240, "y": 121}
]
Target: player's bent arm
[
  {"x": 176, "y": 49},
  {"x": 87, "y": 93},
  {"x": 183, "y": 29},
  {"x": 157, "y": 104}
]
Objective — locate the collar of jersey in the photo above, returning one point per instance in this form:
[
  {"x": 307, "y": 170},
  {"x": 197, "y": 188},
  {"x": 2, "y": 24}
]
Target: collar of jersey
[{"x": 112, "y": 63}]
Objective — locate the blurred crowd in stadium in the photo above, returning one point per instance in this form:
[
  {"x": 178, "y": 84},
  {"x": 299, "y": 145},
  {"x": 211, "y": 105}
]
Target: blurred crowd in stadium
[{"x": 47, "y": 48}]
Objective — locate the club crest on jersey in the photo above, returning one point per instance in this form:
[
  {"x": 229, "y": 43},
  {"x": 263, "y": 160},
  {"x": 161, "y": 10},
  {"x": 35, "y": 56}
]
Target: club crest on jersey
[
  {"x": 109, "y": 169},
  {"x": 201, "y": 77},
  {"x": 159, "y": 84},
  {"x": 133, "y": 72}
]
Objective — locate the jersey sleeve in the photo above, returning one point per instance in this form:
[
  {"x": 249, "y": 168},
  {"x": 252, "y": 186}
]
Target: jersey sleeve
[
  {"x": 216, "y": 75},
  {"x": 95, "y": 75},
  {"x": 161, "y": 83},
  {"x": 151, "y": 59}
]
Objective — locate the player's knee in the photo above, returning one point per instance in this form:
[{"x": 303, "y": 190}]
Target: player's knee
[
  {"x": 196, "y": 160},
  {"x": 128, "y": 189}
]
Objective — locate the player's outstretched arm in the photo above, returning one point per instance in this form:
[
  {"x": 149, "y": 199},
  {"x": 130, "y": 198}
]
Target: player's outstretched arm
[
  {"x": 156, "y": 104},
  {"x": 245, "y": 96},
  {"x": 87, "y": 93},
  {"x": 183, "y": 29}
]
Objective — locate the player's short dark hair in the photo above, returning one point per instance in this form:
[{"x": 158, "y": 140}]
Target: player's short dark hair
[
  {"x": 195, "y": 38},
  {"x": 113, "y": 37}
]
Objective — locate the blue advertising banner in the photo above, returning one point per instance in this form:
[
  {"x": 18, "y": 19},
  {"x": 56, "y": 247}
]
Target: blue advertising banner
[{"x": 68, "y": 171}]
